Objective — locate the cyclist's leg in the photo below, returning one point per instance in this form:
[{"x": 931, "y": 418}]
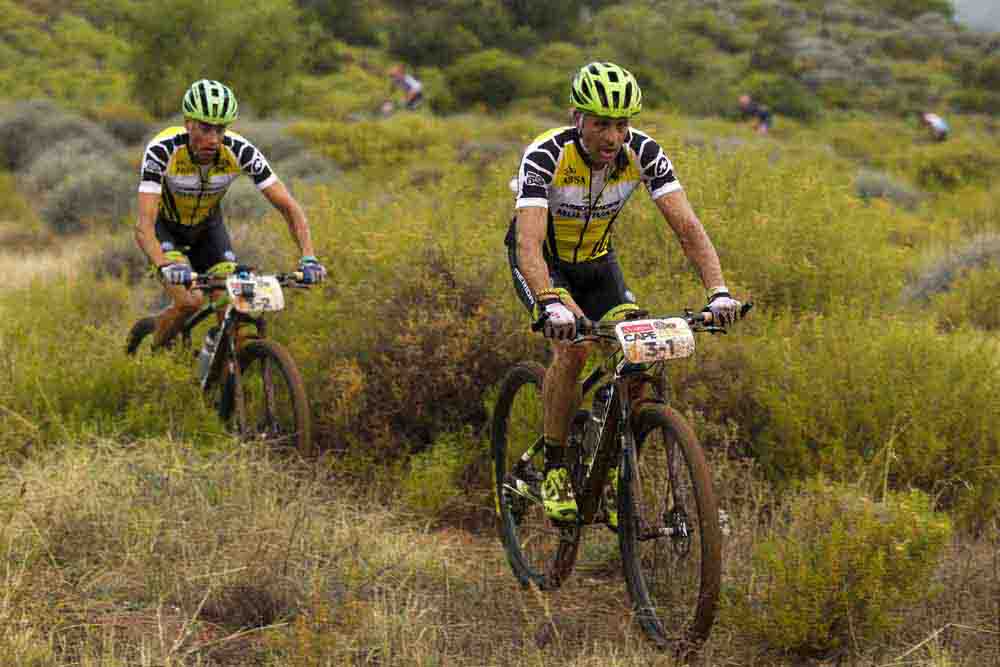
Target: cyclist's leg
[
  {"x": 209, "y": 251},
  {"x": 213, "y": 254},
  {"x": 184, "y": 302}
]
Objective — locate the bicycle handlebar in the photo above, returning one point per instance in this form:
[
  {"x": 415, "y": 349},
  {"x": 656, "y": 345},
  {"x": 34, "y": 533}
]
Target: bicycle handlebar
[
  {"x": 207, "y": 281},
  {"x": 699, "y": 321}
]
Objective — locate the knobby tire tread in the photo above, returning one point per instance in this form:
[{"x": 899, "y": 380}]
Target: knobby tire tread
[
  {"x": 648, "y": 419},
  {"x": 259, "y": 349},
  {"x": 520, "y": 375}
]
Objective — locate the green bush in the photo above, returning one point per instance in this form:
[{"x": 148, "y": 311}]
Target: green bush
[
  {"x": 348, "y": 20},
  {"x": 911, "y": 9},
  {"x": 256, "y": 49},
  {"x": 491, "y": 77},
  {"x": 870, "y": 415},
  {"x": 432, "y": 485},
  {"x": 85, "y": 385},
  {"x": 973, "y": 300},
  {"x": 954, "y": 163},
  {"x": 126, "y": 122},
  {"x": 28, "y": 129},
  {"x": 840, "y": 571},
  {"x": 99, "y": 196},
  {"x": 784, "y": 95},
  {"x": 445, "y": 31}
]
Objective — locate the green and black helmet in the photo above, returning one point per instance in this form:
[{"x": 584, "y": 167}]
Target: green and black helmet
[
  {"x": 605, "y": 89},
  {"x": 211, "y": 102}
]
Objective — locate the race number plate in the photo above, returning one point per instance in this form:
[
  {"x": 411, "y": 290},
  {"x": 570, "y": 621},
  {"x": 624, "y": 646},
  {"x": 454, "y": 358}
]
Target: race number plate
[
  {"x": 644, "y": 341},
  {"x": 255, "y": 294}
]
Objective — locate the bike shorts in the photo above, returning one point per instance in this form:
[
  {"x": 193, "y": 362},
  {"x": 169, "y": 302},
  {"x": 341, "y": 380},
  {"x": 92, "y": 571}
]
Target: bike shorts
[
  {"x": 597, "y": 286},
  {"x": 205, "y": 246}
]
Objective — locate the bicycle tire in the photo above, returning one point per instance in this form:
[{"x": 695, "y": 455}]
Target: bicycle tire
[
  {"x": 673, "y": 582},
  {"x": 142, "y": 328},
  {"x": 284, "y": 420},
  {"x": 540, "y": 553}
]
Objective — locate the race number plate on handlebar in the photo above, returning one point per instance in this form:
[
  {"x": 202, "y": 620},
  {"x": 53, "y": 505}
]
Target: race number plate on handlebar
[
  {"x": 645, "y": 341},
  {"x": 255, "y": 294}
]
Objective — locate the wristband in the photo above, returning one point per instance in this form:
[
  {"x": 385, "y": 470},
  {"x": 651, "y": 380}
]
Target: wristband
[
  {"x": 548, "y": 294},
  {"x": 716, "y": 292},
  {"x": 308, "y": 259}
]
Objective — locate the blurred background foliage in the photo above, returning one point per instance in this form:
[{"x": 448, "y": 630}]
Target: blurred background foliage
[{"x": 801, "y": 56}]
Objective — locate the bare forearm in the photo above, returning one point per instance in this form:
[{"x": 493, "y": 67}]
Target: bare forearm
[
  {"x": 145, "y": 229},
  {"x": 691, "y": 234},
  {"x": 146, "y": 240},
  {"x": 531, "y": 225},
  {"x": 299, "y": 229},
  {"x": 701, "y": 253}
]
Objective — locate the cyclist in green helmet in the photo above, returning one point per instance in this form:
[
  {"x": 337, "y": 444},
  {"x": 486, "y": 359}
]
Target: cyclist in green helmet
[
  {"x": 186, "y": 171},
  {"x": 571, "y": 185}
]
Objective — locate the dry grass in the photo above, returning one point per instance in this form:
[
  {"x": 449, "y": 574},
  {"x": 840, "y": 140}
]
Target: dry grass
[
  {"x": 154, "y": 554},
  {"x": 27, "y": 256}
]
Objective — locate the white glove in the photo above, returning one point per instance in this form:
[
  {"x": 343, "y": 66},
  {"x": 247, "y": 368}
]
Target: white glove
[
  {"x": 560, "y": 323},
  {"x": 725, "y": 309}
]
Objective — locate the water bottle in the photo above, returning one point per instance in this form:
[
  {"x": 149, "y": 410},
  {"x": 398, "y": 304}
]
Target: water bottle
[{"x": 207, "y": 352}]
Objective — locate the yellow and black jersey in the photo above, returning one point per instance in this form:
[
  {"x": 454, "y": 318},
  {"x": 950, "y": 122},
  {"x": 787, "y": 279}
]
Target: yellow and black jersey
[
  {"x": 190, "y": 192},
  {"x": 583, "y": 204}
]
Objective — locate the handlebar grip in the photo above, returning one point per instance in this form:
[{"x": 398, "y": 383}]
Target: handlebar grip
[{"x": 539, "y": 324}]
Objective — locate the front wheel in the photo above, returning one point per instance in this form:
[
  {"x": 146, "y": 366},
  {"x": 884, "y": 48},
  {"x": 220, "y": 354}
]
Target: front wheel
[
  {"x": 268, "y": 403},
  {"x": 540, "y": 552},
  {"x": 669, "y": 531}
]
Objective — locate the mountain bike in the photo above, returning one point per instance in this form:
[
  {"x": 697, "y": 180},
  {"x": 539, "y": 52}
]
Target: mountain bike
[
  {"x": 252, "y": 381},
  {"x": 636, "y": 467}
]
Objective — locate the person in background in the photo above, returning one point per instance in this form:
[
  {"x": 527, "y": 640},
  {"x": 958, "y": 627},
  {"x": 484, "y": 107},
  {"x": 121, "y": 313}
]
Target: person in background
[
  {"x": 936, "y": 125},
  {"x": 758, "y": 114},
  {"x": 413, "y": 89}
]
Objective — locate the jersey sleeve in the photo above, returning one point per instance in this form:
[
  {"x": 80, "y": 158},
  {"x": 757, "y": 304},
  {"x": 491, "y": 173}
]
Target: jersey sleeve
[
  {"x": 154, "y": 166},
  {"x": 655, "y": 168},
  {"x": 535, "y": 175},
  {"x": 253, "y": 163}
]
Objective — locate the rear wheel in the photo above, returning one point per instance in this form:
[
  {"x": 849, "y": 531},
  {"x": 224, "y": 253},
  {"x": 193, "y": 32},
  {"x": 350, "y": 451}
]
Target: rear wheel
[
  {"x": 539, "y": 552},
  {"x": 269, "y": 404},
  {"x": 669, "y": 529}
]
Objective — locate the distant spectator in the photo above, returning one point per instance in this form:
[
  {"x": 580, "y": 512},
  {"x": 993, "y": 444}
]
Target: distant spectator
[
  {"x": 936, "y": 125},
  {"x": 758, "y": 114},
  {"x": 413, "y": 89}
]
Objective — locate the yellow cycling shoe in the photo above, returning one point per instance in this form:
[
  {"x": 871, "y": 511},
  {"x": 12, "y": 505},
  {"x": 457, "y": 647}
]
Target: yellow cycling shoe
[{"x": 557, "y": 495}]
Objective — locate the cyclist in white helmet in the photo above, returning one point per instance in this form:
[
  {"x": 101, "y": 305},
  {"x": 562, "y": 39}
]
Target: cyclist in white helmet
[
  {"x": 571, "y": 186},
  {"x": 185, "y": 173}
]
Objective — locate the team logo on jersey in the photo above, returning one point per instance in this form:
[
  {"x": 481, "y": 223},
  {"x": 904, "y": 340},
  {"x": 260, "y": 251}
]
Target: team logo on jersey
[
  {"x": 258, "y": 165},
  {"x": 534, "y": 179},
  {"x": 662, "y": 167}
]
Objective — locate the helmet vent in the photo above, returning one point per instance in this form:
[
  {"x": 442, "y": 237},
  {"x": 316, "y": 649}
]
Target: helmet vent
[{"x": 601, "y": 93}]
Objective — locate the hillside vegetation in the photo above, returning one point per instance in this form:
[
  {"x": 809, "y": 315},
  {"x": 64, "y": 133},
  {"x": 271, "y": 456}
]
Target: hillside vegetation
[{"x": 852, "y": 422}]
